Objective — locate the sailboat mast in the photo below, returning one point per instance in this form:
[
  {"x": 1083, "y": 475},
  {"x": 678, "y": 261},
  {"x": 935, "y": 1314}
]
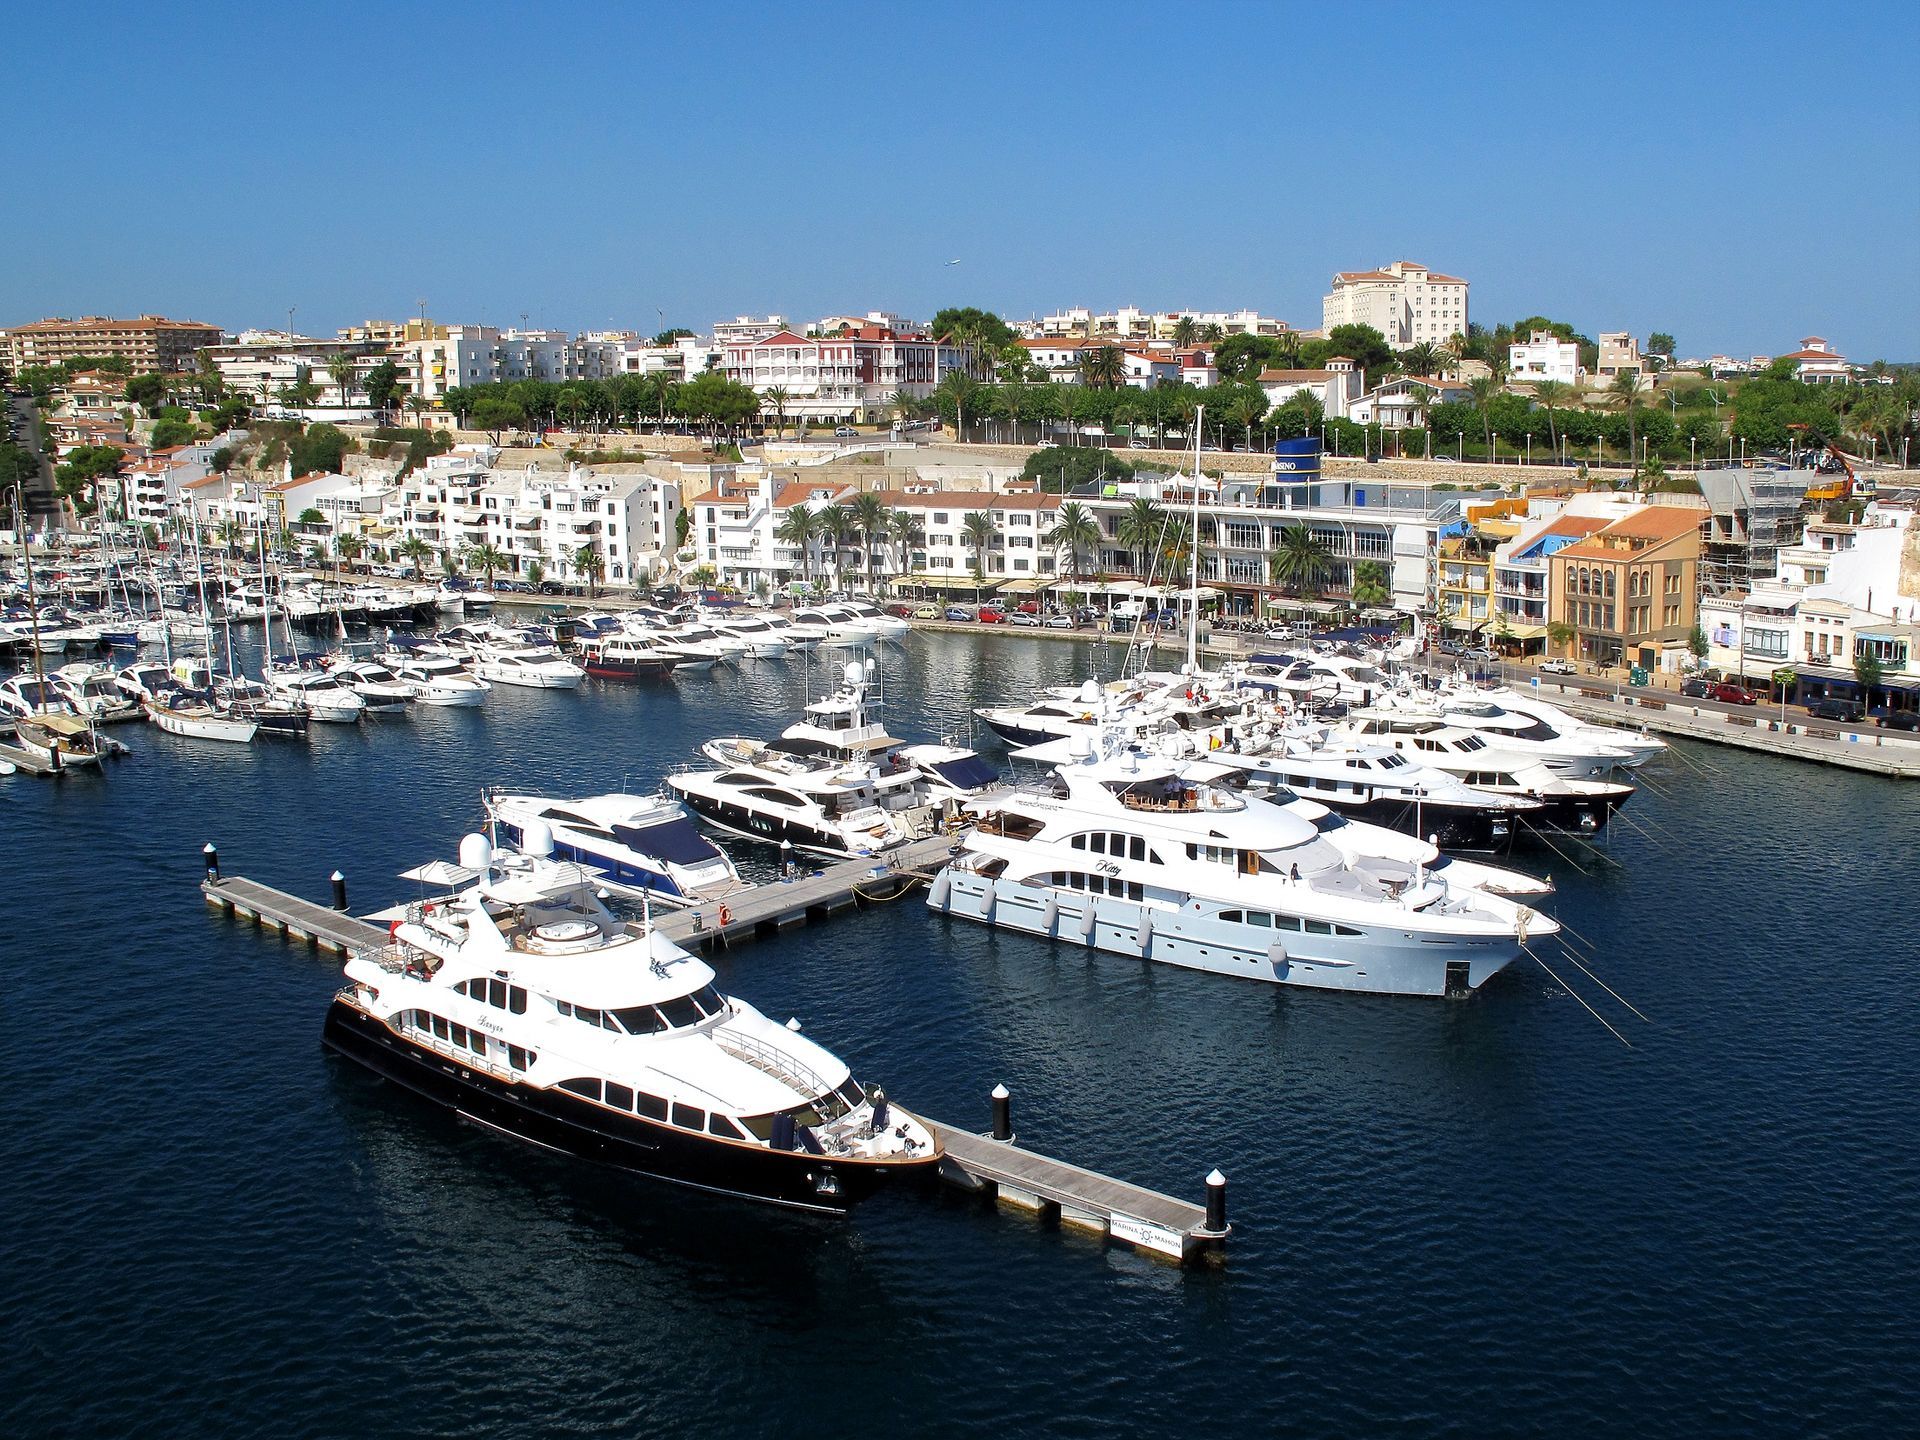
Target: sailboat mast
[
  {"x": 33, "y": 601},
  {"x": 1193, "y": 553}
]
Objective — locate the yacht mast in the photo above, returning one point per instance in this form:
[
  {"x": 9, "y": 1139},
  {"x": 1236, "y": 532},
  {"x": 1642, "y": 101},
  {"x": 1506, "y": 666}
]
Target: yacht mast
[
  {"x": 33, "y": 602},
  {"x": 1193, "y": 554}
]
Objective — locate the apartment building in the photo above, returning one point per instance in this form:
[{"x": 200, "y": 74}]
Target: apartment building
[
  {"x": 1130, "y": 323},
  {"x": 745, "y": 329},
  {"x": 259, "y": 364},
  {"x": 1337, "y": 387},
  {"x": 1404, "y": 301},
  {"x": 1630, "y": 590},
  {"x": 853, "y": 375},
  {"x": 1404, "y": 401},
  {"x": 467, "y": 355},
  {"x": 152, "y": 342},
  {"x": 1544, "y": 356},
  {"x": 1619, "y": 355},
  {"x": 151, "y": 487},
  {"x": 1818, "y": 363}
]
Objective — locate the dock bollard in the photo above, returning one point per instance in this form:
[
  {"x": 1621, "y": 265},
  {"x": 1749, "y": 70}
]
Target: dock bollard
[
  {"x": 786, "y": 859},
  {"x": 1217, "y": 1203},
  {"x": 212, "y": 857},
  {"x": 1002, "y": 1113},
  {"x": 339, "y": 891}
]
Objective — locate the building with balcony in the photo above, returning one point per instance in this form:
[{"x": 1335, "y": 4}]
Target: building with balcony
[
  {"x": 1630, "y": 590},
  {"x": 1619, "y": 355},
  {"x": 459, "y": 356},
  {"x": 1818, "y": 363},
  {"x": 152, "y": 342},
  {"x": 1132, "y": 324},
  {"x": 259, "y": 364},
  {"x": 1338, "y": 387},
  {"x": 1543, "y": 356},
  {"x": 851, "y": 376},
  {"x": 1404, "y": 301}
]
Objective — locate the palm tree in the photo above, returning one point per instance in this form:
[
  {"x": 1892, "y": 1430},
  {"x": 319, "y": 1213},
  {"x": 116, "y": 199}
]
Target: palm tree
[
  {"x": 777, "y": 396},
  {"x": 1422, "y": 398},
  {"x": 1186, "y": 330},
  {"x": 978, "y": 528},
  {"x": 908, "y": 535},
  {"x": 797, "y": 528},
  {"x": 1248, "y": 408},
  {"x": 588, "y": 562},
  {"x": 836, "y": 525},
  {"x": 1626, "y": 389},
  {"x": 1287, "y": 345},
  {"x": 1103, "y": 367},
  {"x": 869, "y": 517},
  {"x": 1546, "y": 392},
  {"x": 1076, "y": 533},
  {"x": 905, "y": 407},
  {"x": 536, "y": 572},
  {"x": 340, "y": 368},
  {"x": 1483, "y": 388},
  {"x": 414, "y": 551},
  {"x": 1420, "y": 359},
  {"x": 1301, "y": 563},
  {"x": 1369, "y": 585},
  {"x": 418, "y": 405},
  {"x": 487, "y": 559},
  {"x": 1142, "y": 524},
  {"x": 348, "y": 549}
]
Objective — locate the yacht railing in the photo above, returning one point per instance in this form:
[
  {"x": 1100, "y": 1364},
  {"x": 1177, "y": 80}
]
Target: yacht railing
[{"x": 773, "y": 1061}]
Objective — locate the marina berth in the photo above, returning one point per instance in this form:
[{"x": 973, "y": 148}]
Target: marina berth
[
  {"x": 94, "y": 691},
  {"x": 1140, "y": 855},
  {"x": 769, "y": 795},
  {"x": 522, "y": 1003},
  {"x": 634, "y": 844},
  {"x": 1638, "y": 748}
]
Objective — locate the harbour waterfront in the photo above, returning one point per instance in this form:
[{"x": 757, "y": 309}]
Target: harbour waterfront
[{"x": 1472, "y": 1218}]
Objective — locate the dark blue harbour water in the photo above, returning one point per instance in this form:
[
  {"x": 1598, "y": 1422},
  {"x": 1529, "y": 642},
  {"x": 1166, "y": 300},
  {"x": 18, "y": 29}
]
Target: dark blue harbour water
[{"x": 1459, "y": 1219}]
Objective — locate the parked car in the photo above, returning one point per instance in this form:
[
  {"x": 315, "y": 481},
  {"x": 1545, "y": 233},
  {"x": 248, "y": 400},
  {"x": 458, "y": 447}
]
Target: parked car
[
  {"x": 1474, "y": 652},
  {"x": 1059, "y": 622},
  {"x": 1730, "y": 694},
  {"x": 842, "y": 432},
  {"x": 1899, "y": 720},
  {"x": 958, "y": 612},
  {"x": 1028, "y": 607},
  {"x": 1138, "y": 445},
  {"x": 904, "y": 612},
  {"x": 1024, "y": 621},
  {"x": 926, "y": 612},
  {"x": 1559, "y": 667},
  {"x": 1835, "y": 708},
  {"x": 1697, "y": 688},
  {"x": 989, "y": 615}
]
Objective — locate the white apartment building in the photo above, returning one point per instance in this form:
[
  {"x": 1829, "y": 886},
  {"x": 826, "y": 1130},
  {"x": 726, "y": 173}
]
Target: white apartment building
[
  {"x": 1818, "y": 363},
  {"x": 885, "y": 319},
  {"x": 687, "y": 357},
  {"x": 1338, "y": 387},
  {"x": 259, "y": 364},
  {"x": 1396, "y": 405},
  {"x": 466, "y": 355},
  {"x": 850, "y": 376},
  {"x": 745, "y": 329},
  {"x": 150, "y": 487},
  {"x": 1405, "y": 301},
  {"x": 1131, "y": 323},
  {"x": 1544, "y": 356}
]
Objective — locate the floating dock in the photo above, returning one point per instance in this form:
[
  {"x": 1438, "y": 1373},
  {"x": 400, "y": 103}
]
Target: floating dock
[
  {"x": 766, "y": 909},
  {"x": 989, "y": 1164}
]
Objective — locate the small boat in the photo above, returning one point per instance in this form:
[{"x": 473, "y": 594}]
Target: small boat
[
  {"x": 68, "y": 742},
  {"x": 532, "y": 666},
  {"x": 197, "y": 717}
]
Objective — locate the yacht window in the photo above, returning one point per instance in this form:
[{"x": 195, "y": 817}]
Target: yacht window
[
  {"x": 850, "y": 1091},
  {"x": 708, "y": 999},
  {"x": 585, "y": 1089},
  {"x": 1137, "y": 847},
  {"x": 681, "y": 1012},
  {"x": 1319, "y": 927},
  {"x": 1286, "y": 922},
  {"x": 640, "y": 1020},
  {"x": 1232, "y": 917},
  {"x": 1097, "y": 842},
  {"x": 563, "y": 1007},
  {"x": 689, "y": 1117},
  {"x": 440, "y": 1027},
  {"x": 651, "y": 1106},
  {"x": 1387, "y": 762},
  {"x": 477, "y": 1042},
  {"x": 1079, "y": 842},
  {"x": 1473, "y": 742},
  {"x": 519, "y": 1058},
  {"x": 1135, "y": 890},
  {"x": 1345, "y": 930},
  {"x": 460, "y": 1036},
  {"x": 497, "y": 994},
  {"x": 592, "y": 1017},
  {"x": 720, "y": 1125},
  {"x": 516, "y": 1000},
  {"x": 619, "y": 1096}
]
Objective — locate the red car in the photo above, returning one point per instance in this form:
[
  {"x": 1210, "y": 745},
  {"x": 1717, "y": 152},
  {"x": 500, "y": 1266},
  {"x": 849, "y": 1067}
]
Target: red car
[
  {"x": 1027, "y": 607},
  {"x": 904, "y": 612},
  {"x": 990, "y": 616},
  {"x": 1732, "y": 694}
]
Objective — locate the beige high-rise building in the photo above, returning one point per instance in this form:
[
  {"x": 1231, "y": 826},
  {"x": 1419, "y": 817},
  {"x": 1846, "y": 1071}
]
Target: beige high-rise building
[
  {"x": 1406, "y": 302},
  {"x": 149, "y": 343}
]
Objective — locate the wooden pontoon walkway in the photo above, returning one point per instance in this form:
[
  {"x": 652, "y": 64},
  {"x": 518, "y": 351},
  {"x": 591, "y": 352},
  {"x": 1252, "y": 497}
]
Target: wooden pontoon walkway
[{"x": 333, "y": 930}]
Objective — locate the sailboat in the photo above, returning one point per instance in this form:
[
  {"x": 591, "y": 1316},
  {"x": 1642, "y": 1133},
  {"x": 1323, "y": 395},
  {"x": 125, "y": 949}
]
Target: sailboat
[{"x": 67, "y": 741}]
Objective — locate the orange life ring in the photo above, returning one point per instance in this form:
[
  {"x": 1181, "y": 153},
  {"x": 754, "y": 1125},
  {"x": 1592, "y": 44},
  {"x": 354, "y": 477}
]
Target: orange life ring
[
  {"x": 726, "y": 916},
  {"x": 393, "y": 929}
]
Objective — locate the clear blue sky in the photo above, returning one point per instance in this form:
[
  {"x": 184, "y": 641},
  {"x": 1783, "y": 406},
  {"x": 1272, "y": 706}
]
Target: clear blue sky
[{"x": 1738, "y": 174}]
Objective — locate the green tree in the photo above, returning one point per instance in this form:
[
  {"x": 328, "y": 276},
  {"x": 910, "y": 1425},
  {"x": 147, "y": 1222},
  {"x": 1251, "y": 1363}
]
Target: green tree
[
  {"x": 1419, "y": 359},
  {"x": 682, "y": 527},
  {"x": 908, "y": 535},
  {"x": 170, "y": 432},
  {"x": 835, "y": 527},
  {"x": 1186, "y": 330},
  {"x": 1867, "y": 673},
  {"x": 978, "y": 529},
  {"x": 970, "y": 325},
  {"x": 1546, "y": 392},
  {"x": 487, "y": 559},
  {"x": 222, "y": 460},
  {"x": 340, "y": 371},
  {"x": 1141, "y": 528},
  {"x": 1077, "y": 532},
  {"x": 302, "y": 392},
  {"x": 776, "y": 397},
  {"x": 348, "y": 549},
  {"x": 1483, "y": 389},
  {"x": 1301, "y": 563},
  {"x": 1625, "y": 392},
  {"x": 869, "y": 516},
  {"x": 1363, "y": 345},
  {"x": 319, "y": 449},
  {"x": 147, "y": 391},
  {"x": 495, "y": 413},
  {"x": 588, "y": 562},
  {"x": 382, "y": 383},
  {"x": 536, "y": 573},
  {"x": 415, "y": 551},
  {"x": 799, "y": 528},
  {"x": 1560, "y": 634},
  {"x": 1103, "y": 367},
  {"x": 1370, "y": 584},
  {"x": 1660, "y": 343}
]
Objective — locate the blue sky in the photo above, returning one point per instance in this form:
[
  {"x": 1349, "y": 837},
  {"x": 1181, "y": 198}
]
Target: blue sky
[{"x": 1737, "y": 174}]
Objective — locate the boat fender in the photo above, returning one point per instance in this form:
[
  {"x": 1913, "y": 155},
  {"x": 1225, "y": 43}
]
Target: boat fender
[
  {"x": 1277, "y": 955},
  {"x": 989, "y": 892},
  {"x": 1143, "y": 937},
  {"x": 1089, "y": 921},
  {"x": 726, "y": 916},
  {"x": 942, "y": 887},
  {"x": 1051, "y": 915}
]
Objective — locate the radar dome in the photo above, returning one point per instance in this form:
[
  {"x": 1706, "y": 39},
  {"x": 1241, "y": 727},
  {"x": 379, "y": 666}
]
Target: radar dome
[
  {"x": 475, "y": 852},
  {"x": 855, "y": 673},
  {"x": 536, "y": 839}
]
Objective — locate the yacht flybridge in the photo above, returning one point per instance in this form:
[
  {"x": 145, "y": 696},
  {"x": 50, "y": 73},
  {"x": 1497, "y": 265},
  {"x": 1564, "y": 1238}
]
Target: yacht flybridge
[
  {"x": 636, "y": 844},
  {"x": 1141, "y": 855},
  {"x": 522, "y": 1003}
]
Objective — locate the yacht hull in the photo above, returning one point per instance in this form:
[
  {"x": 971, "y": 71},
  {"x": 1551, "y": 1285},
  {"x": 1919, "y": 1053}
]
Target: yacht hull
[
  {"x": 772, "y": 829},
  {"x": 571, "y": 1126},
  {"x": 656, "y": 669},
  {"x": 1371, "y": 965}
]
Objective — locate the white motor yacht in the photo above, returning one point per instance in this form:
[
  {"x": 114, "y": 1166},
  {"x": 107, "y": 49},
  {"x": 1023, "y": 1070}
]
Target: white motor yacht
[
  {"x": 1140, "y": 855},
  {"x": 327, "y": 698},
  {"x": 636, "y": 844},
  {"x": 523, "y": 1004},
  {"x": 381, "y": 691},
  {"x": 534, "y": 667}
]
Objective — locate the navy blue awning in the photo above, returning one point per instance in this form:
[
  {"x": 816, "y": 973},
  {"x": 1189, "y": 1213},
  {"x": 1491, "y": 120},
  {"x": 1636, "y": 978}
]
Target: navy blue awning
[{"x": 677, "y": 841}]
